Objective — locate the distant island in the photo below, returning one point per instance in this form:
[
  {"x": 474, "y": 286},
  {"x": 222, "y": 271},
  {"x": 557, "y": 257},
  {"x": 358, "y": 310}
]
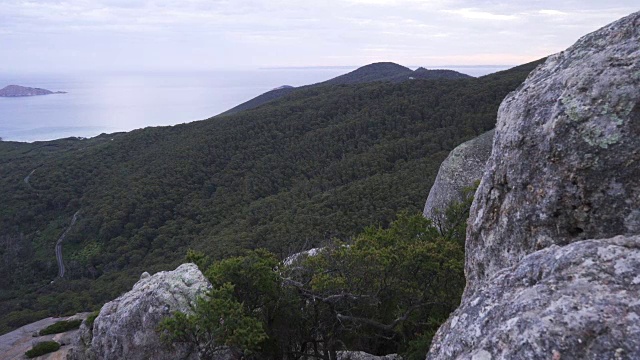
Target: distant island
[{"x": 16, "y": 90}]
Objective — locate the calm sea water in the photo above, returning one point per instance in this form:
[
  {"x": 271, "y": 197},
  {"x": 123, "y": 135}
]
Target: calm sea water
[{"x": 105, "y": 103}]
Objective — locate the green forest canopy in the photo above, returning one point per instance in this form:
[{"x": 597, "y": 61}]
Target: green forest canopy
[
  {"x": 385, "y": 291},
  {"x": 317, "y": 164}
]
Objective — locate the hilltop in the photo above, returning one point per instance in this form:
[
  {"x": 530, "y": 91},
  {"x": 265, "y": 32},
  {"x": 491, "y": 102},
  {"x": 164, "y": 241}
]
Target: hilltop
[
  {"x": 391, "y": 72},
  {"x": 382, "y": 71},
  {"x": 376, "y": 72}
]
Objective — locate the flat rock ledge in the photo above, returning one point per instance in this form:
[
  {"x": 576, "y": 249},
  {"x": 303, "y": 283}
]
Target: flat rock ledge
[
  {"x": 580, "y": 301},
  {"x": 13, "y": 345}
]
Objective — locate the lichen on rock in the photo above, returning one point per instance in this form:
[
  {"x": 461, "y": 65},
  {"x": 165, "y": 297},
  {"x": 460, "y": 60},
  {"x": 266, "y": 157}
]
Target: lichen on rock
[
  {"x": 552, "y": 247},
  {"x": 577, "y": 300},
  {"x": 565, "y": 164}
]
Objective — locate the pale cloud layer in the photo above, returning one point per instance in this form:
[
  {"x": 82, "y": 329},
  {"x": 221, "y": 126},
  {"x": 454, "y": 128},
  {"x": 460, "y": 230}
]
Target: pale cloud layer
[{"x": 44, "y": 35}]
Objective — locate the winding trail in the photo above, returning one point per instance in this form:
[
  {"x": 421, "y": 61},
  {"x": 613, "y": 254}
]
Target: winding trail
[
  {"x": 59, "y": 245},
  {"x": 59, "y": 260},
  {"x": 26, "y": 180}
]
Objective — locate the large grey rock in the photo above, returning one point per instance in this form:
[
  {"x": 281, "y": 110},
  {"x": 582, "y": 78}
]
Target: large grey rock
[
  {"x": 565, "y": 164},
  {"x": 462, "y": 168},
  {"x": 81, "y": 344},
  {"x": 565, "y": 167},
  {"x": 579, "y": 301},
  {"x": 126, "y": 326}
]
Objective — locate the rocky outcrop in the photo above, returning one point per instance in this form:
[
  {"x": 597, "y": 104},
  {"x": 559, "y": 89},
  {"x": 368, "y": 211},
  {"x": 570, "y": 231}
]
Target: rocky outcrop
[
  {"x": 552, "y": 252},
  {"x": 565, "y": 164},
  {"x": 462, "y": 168},
  {"x": 13, "y": 345},
  {"x": 578, "y": 301},
  {"x": 361, "y": 355},
  {"x": 81, "y": 343},
  {"x": 126, "y": 326},
  {"x": 16, "y": 91},
  {"x": 301, "y": 256}
]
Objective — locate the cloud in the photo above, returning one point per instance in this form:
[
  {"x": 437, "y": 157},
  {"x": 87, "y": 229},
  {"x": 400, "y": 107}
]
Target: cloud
[
  {"x": 404, "y": 3},
  {"x": 552, "y": 12},
  {"x": 475, "y": 14},
  {"x": 230, "y": 33}
]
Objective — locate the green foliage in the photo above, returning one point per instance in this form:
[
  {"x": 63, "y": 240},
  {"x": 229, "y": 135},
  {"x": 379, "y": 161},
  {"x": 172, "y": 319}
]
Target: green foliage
[
  {"x": 389, "y": 285},
  {"x": 218, "y": 321},
  {"x": 42, "y": 348},
  {"x": 88, "y": 253},
  {"x": 259, "y": 287},
  {"x": 199, "y": 258},
  {"x": 255, "y": 282},
  {"x": 317, "y": 164},
  {"x": 452, "y": 221},
  {"x": 60, "y": 327},
  {"x": 388, "y": 290},
  {"x": 418, "y": 347},
  {"x": 92, "y": 318},
  {"x": 23, "y": 317}
]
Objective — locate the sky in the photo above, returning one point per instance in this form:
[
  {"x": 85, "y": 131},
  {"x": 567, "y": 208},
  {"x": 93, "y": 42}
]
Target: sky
[{"x": 130, "y": 35}]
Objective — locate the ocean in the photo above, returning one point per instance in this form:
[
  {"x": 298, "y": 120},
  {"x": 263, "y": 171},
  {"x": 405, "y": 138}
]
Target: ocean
[{"x": 107, "y": 103}]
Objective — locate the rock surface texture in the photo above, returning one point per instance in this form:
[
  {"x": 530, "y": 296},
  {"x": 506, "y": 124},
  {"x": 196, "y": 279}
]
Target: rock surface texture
[
  {"x": 579, "y": 301},
  {"x": 13, "y": 345},
  {"x": 553, "y": 256},
  {"x": 125, "y": 328},
  {"x": 361, "y": 355},
  {"x": 463, "y": 167}
]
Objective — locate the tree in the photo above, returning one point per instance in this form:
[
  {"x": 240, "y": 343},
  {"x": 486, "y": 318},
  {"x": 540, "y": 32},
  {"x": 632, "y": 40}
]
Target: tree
[
  {"x": 385, "y": 291},
  {"x": 387, "y": 288},
  {"x": 451, "y": 222},
  {"x": 259, "y": 287},
  {"x": 218, "y": 323}
]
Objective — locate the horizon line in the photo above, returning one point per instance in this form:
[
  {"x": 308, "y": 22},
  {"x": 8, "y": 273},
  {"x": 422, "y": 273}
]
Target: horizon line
[{"x": 358, "y": 66}]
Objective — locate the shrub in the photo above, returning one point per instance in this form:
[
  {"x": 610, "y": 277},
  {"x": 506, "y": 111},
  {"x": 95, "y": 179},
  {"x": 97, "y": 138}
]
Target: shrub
[
  {"x": 42, "y": 348},
  {"x": 387, "y": 290},
  {"x": 60, "y": 327},
  {"x": 218, "y": 322},
  {"x": 91, "y": 318}
]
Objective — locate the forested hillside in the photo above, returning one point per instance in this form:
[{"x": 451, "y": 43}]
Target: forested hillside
[{"x": 318, "y": 163}]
